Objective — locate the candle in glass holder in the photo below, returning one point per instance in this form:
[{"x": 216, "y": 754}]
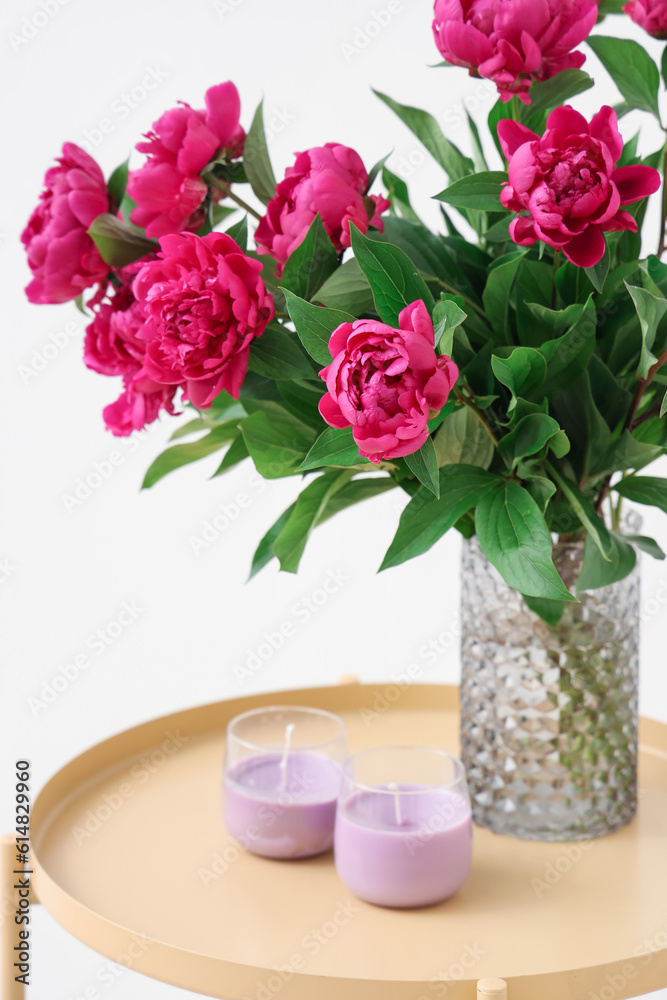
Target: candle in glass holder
[
  {"x": 283, "y": 768},
  {"x": 404, "y": 827}
]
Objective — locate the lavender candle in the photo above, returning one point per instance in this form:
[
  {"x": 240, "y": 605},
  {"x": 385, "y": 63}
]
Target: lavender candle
[
  {"x": 282, "y": 779},
  {"x": 404, "y": 842}
]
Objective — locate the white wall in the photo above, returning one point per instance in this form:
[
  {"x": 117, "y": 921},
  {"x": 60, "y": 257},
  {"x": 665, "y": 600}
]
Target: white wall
[{"x": 71, "y": 571}]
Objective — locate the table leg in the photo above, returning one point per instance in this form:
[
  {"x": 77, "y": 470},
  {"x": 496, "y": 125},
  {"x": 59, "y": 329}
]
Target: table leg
[
  {"x": 9, "y": 988},
  {"x": 491, "y": 989}
]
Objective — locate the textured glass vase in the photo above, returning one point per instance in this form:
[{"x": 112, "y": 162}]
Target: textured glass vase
[{"x": 549, "y": 715}]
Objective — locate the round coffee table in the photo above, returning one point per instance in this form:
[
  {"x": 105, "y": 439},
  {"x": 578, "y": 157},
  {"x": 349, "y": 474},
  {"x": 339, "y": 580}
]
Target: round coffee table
[{"x": 131, "y": 856}]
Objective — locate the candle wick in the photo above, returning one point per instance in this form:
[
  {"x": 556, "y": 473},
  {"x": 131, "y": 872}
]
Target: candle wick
[
  {"x": 289, "y": 729},
  {"x": 392, "y": 786}
]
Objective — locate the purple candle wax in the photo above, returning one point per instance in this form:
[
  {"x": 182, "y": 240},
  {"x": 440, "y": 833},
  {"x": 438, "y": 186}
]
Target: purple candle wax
[
  {"x": 283, "y": 807},
  {"x": 401, "y": 849}
]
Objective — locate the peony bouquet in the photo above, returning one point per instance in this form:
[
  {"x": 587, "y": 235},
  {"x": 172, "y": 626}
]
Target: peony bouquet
[{"x": 508, "y": 372}]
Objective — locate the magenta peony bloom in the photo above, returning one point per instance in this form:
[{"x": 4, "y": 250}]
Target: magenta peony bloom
[
  {"x": 328, "y": 179},
  {"x": 168, "y": 189},
  {"x": 140, "y": 404},
  {"x": 651, "y": 15},
  {"x": 204, "y": 303},
  {"x": 386, "y": 383},
  {"x": 513, "y": 42},
  {"x": 61, "y": 255},
  {"x": 569, "y": 184},
  {"x": 112, "y": 347}
]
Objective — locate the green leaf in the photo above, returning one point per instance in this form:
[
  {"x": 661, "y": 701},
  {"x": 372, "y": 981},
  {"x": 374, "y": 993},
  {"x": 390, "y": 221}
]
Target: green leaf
[
  {"x": 551, "y": 93},
  {"x": 528, "y": 437},
  {"x": 586, "y": 513},
  {"x": 523, "y": 372},
  {"x": 663, "y": 405},
  {"x": 334, "y": 446},
  {"x": 310, "y": 505},
  {"x": 477, "y": 148},
  {"x": 568, "y": 356},
  {"x": 515, "y": 539},
  {"x": 314, "y": 325},
  {"x": 499, "y": 231},
  {"x": 239, "y": 233},
  {"x": 424, "y": 465},
  {"x": 632, "y": 70},
  {"x": 118, "y": 183},
  {"x": 375, "y": 170},
  {"x": 392, "y": 276},
  {"x": 540, "y": 489},
  {"x": 663, "y": 66},
  {"x": 237, "y": 452},
  {"x": 650, "y": 310},
  {"x": 347, "y": 289},
  {"x": 447, "y": 315},
  {"x": 264, "y": 552},
  {"x": 183, "y": 454},
  {"x": 648, "y": 545},
  {"x": 398, "y": 195},
  {"x": 480, "y": 191},
  {"x": 425, "y": 520},
  {"x": 425, "y": 127},
  {"x": 597, "y": 274},
  {"x": 302, "y": 399},
  {"x": 625, "y": 453},
  {"x": 578, "y": 415},
  {"x": 192, "y": 427},
  {"x": 549, "y": 611},
  {"x": 651, "y": 490},
  {"x": 218, "y": 213},
  {"x": 354, "y": 492},
  {"x": 277, "y": 444},
  {"x": 311, "y": 263},
  {"x": 599, "y": 572},
  {"x": 610, "y": 7},
  {"x": 462, "y": 440},
  {"x": 256, "y": 160},
  {"x": 277, "y": 354},
  {"x": 119, "y": 243},
  {"x": 496, "y": 296}
]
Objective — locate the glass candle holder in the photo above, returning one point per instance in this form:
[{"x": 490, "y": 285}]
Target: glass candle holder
[
  {"x": 403, "y": 833},
  {"x": 283, "y": 768}
]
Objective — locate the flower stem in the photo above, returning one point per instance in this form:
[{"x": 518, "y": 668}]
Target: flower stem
[
  {"x": 454, "y": 291},
  {"x": 554, "y": 291},
  {"x": 663, "y": 227},
  {"x": 467, "y": 401},
  {"x": 226, "y": 189}
]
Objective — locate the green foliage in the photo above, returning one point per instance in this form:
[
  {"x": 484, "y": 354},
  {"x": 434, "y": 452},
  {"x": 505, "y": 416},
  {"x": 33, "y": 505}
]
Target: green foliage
[
  {"x": 118, "y": 242},
  {"x": 394, "y": 280},
  {"x": 632, "y": 70},
  {"x": 562, "y": 371},
  {"x": 256, "y": 162}
]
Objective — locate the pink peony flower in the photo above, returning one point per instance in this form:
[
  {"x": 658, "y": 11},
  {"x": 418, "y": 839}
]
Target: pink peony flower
[
  {"x": 651, "y": 15},
  {"x": 112, "y": 347},
  {"x": 386, "y": 383},
  {"x": 513, "y": 42},
  {"x": 204, "y": 303},
  {"x": 328, "y": 179},
  {"x": 61, "y": 255},
  {"x": 168, "y": 188},
  {"x": 140, "y": 404},
  {"x": 569, "y": 184}
]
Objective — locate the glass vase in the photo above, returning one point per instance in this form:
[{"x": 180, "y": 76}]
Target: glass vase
[{"x": 549, "y": 715}]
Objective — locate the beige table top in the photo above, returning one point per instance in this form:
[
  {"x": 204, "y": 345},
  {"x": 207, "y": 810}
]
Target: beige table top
[{"x": 131, "y": 856}]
